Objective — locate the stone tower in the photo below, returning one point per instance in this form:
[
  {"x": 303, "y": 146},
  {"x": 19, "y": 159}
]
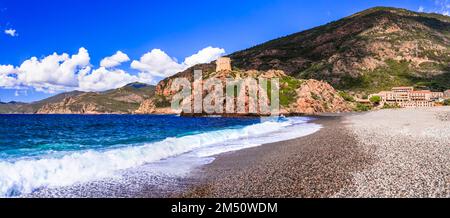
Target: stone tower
[{"x": 223, "y": 64}]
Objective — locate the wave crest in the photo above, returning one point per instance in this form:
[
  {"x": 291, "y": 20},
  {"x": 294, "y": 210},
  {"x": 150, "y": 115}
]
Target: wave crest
[{"x": 25, "y": 176}]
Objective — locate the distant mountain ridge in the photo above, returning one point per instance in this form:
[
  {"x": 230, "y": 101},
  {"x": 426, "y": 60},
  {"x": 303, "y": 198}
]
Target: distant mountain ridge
[
  {"x": 364, "y": 53},
  {"x": 369, "y": 51},
  {"x": 122, "y": 100}
]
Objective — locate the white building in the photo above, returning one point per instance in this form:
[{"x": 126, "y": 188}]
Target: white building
[{"x": 408, "y": 97}]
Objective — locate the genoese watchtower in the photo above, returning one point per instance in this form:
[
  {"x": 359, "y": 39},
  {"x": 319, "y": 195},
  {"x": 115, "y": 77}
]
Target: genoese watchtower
[{"x": 223, "y": 64}]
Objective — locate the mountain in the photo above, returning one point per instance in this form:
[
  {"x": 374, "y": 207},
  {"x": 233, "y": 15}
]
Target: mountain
[
  {"x": 24, "y": 108},
  {"x": 10, "y": 107},
  {"x": 369, "y": 51},
  {"x": 122, "y": 100}
]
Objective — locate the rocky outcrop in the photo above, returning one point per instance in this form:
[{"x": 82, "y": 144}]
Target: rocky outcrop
[
  {"x": 310, "y": 97},
  {"x": 146, "y": 107},
  {"x": 315, "y": 97},
  {"x": 70, "y": 106}
]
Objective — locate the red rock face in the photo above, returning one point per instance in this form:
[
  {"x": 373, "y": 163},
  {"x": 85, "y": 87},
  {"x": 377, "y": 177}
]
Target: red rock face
[
  {"x": 146, "y": 107},
  {"x": 314, "y": 97}
]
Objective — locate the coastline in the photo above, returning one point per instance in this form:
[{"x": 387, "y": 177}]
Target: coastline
[
  {"x": 316, "y": 165},
  {"x": 381, "y": 153}
]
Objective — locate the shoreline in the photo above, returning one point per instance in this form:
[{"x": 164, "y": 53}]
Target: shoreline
[
  {"x": 172, "y": 172},
  {"x": 381, "y": 153},
  {"x": 316, "y": 165},
  {"x": 385, "y": 153}
]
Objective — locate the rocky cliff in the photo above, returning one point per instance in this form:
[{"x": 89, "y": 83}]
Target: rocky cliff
[
  {"x": 313, "y": 97},
  {"x": 297, "y": 96}
]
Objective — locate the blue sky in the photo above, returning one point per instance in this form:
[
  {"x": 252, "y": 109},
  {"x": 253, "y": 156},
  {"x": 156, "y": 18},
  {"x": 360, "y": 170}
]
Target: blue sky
[{"x": 177, "y": 28}]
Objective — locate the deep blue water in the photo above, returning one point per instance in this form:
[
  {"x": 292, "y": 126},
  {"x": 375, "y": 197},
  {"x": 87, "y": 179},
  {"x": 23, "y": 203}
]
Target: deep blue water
[
  {"x": 33, "y": 135},
  {"x": 57, "y": 151}
]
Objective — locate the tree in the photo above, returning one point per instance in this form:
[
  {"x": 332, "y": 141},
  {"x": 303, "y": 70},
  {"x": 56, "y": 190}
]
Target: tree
[
  {"x": 375, "y": 99},
  {"x": 363, "y": 107},
  {"x": 447, "y": 102},
  {"x": 347, "y": 96}
]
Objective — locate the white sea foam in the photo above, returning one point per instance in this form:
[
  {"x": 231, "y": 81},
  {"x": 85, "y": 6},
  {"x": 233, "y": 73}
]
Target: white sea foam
[{"x": 25, "y": 176}]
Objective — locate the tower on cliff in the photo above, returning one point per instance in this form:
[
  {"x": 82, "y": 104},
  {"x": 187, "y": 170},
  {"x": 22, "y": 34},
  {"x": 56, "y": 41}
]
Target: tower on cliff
[{"x": 223, "y": 64}]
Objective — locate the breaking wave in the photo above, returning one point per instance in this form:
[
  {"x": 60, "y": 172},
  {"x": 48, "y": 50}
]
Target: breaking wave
[{"x": 25, "y": 176}]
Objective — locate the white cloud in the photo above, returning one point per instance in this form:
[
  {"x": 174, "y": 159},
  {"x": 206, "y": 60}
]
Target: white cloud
[
  {"x": 157, "y": 64},
  {"x": 421, "y": 9},
  {"x": 6, "y": 80},
  {"x": 6, "y": 69},
  {"x": 115, "y": 60},
  {"x": 103, "y": 79},
  {"x": 62, "y": 72},
  {"x": 11, "y": 32},
  {"x": 54, "y": 72},
  {"x": 205, "y": 55}
]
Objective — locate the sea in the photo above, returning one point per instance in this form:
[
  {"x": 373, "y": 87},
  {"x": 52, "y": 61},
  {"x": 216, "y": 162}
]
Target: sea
[{"x": 52, "y": 155}]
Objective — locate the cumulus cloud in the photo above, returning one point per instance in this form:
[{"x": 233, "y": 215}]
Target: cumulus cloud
[
  {"x": 54, "y": 72},
  {"x": 103, "y": 79},
  {"x": 7, "y": 81},
  {"x": 6, "y": 69},
  {"x": 157, "y": 63},
  {"x": 114, "y": 60},
  {"x": 61, "y": 72},
  {"x": 64, "y": 72},
  {"x": 205, "y": 55},
  {"x": 6, "y": 78},
  {"x": 11, "y": 32}
]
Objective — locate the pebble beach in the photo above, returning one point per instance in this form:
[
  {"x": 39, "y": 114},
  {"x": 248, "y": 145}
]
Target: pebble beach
[{"x": 385, "y": 153}]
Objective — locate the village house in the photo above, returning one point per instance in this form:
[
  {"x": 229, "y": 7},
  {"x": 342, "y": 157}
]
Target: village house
[
  {"x": 408, "y": 97},
  {"x": 447, "y": 94}
]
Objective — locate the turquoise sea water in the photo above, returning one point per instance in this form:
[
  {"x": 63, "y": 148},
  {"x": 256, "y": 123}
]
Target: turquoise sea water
[
  {"x": 34, "y": 135},
  {"x": 47, "y": 151}
]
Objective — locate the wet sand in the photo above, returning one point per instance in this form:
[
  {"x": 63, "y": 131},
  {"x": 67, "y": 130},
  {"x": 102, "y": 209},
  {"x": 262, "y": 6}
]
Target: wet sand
[
  {"x": 317, "y": 165},
  {"x": 386, "y": 153}
]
